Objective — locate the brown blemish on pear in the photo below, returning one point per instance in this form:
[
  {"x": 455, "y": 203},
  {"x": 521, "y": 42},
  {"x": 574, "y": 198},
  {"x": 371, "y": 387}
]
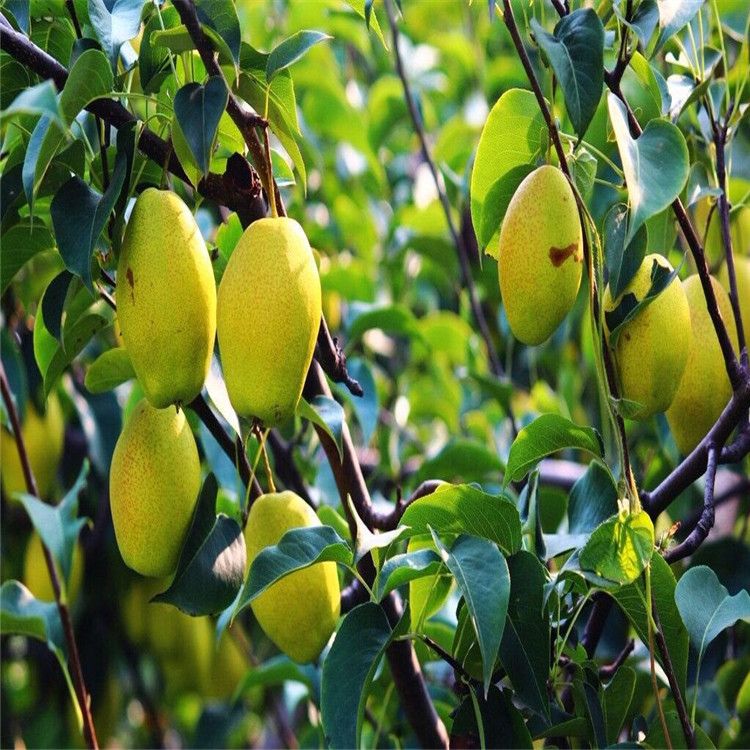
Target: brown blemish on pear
[{"x": 558, "y": 255}]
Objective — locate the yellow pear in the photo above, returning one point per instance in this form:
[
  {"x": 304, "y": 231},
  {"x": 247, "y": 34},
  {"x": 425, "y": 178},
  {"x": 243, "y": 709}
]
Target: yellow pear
[
  {"x": 36, "y": 575},
  {"x": 229, "y": 666},
  {"x": 652, "y": 348},
  {"x": 166, "y": 301},
  {"x": 705, "y": 388},
  {"x": 742, "y": 273},
  {"x": 43, "y": 437},
  {"x": 269, "y": 310},
  {"x": 299, "y": 612},
  {"x": 154, "y": 482},
  {"x": 541, "y": 255}
]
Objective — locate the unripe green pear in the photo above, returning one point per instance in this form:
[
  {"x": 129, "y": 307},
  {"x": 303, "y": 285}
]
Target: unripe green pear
[
  {"x": 705, "y": 388},
  {"x": 299, "y": 612},
  {"x": 43, "y": 437},
  {"x": 166, "y": 301},
  {"x": 540, "y": 256},
  {"x": 154, "y": 482},
  {"x": 268, "y": 319},
  {"x": 36, "y": 574},
  {"x": 652, "y": 348},
  {"x": 742, "y": 274}
]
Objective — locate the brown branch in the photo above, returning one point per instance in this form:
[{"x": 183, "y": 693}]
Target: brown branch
[
  {"x": 333, "y": 360},
  {"x": 460, "y": 245},
  {"x": 610, "y": 670},
  {"x": 388, "y": 521},
  {"x": 283, "y": 455},
  {"x": 82, "y": 695}
]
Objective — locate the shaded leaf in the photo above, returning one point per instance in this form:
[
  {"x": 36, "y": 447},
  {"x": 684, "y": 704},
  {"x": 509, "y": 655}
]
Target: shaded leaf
[
  {"x": 327, "y": 414},
  {"x": 291, "y": 50},
  {"x": 623, "y": 258},
  {"x": 36, "y": 100}
]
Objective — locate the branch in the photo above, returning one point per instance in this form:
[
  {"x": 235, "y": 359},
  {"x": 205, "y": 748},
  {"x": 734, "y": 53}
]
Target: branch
[
  {"x": 283, "y": 454},
  {"x": 705, "y": 523},
  {"x": 238, "y": 189},
  {"x": 608, "y": 672},
  {"x": 463, "y": 255},
  {"x": 388, "y": 521},
  {"x": 82, "y": 695},
  {"x": 333, "y": 360}
]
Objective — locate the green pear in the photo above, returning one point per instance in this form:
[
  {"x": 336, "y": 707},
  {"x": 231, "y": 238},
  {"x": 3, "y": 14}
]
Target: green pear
[
  {"x": 652, "y": 348},
  {"x": 166, "y": 301},
  {"x": 43, "y": 436},
  {"x": 299, "y": 612},
  {"x": 269, "y": 309},
  {"x": 742, "y": 274},
  {"x": 541, "y": 255},
  {"x": 705, "y": 388},
  {"x": 154, "y": 482}
]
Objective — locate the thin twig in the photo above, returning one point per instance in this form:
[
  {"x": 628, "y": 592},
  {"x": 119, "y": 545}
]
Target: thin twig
[
  {"x": 609, "y": 671},
  {"x": 82, "y": 694}
]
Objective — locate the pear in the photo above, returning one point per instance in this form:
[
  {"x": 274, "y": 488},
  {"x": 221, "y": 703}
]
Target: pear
[
  {"x": 541, "y": 255},
  {"x": 742, "y": 274},
  {"x": 154, "y": 481},
  {"x": 739, "y": 228},
  {"x": 43, "y": 437},
  {"x": 166, "y": 301},
  {"x": 299, "y": 612},
  {"x": 705, "y": 388},
  {"x": 269, "y": 309},
  {"x": 652, "y": 348},
  {"x": 36, "y": 575}
]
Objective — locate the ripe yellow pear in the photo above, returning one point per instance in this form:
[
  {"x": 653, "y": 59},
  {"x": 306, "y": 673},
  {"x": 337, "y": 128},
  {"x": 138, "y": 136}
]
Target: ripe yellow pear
[
  {"x": 154, "y": 482},
  {"x": 541, "y": 255},
  {"x": 742, "y": 273},
  {"x": 652, "y": 348},
  {"x": 299, "y": 612},
  {"x": 269, "y": 310},
  {"x": 166, "y": 301},
  {"x": 705, "y": 388},
  {"x": 43, "y": 437},
  {"x": 36, "y": 575}
]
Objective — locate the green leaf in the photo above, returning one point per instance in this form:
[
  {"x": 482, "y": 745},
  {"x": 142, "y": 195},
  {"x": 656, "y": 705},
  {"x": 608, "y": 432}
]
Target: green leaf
[
  {"x": 365, "y": 540},
  {"x": 583, "y": 165},
  {"x": 153, "y": 58},
  {"x": 618, "y": 696},
  {"x": 176, "y": 39},
  {"x": 620, "y": 548},
  {"x": 464, "y": 509},
  {"x": 212, "y": 562},
  {"x": 291, "y": 50},
  {"x": 37, "y": 100},
  {"x": 53, "y": 302},
  {"x": 526, "y": 628},
  {"x": 59, "y": 525},
  {"x": 116, "y": 26},
  {"x": 401, "y": 569},
  {"x": 108, "y": 370},
  {"x": 497, "y": 199},
  {"x": 45, "y": 140},
  {"x": 396, "y": 320},
  {"x": 513, "y": 135},
  {"x": 548, "y": 434},
  {"x": 706, "y": 607},
  {"x": 20, "y": 244},
  {"x": 79, "y": 215},
  {"x": 656, "y": 738},
  {"x": 198, "y": 109},
  {"x": 468, "y": 460},
  {"x": 327, "y": 414},
  {"x": 651, "y": 188},
  {"x": 576, "y": 53},
  {"x": 674, "y": 15},
  {"x": 359, "y": 7},
  {"x": 221, "y": 17},
  {"x": 277, "y": 671},
  {"x": 593, "y": 499},
  {"x": 631, "y": 600},
  {"x": 22, "y": 614},
  {"x": 185, "y": 154},
  {"x": 623, "y": 258},
  {"x": 90, "y": 78},
  {"x": 297, "y": 549},
  {"x": 349, "y": 669},
  {"x": 482, "y": 575}
]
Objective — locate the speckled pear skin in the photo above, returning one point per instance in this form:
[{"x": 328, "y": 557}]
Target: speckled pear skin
[
  {"x": 540, "y": 259},
  {"x": 154, "y": 481},
  {"x": 705, "y": 388},
  {"x": 166, "y": 300},
  {"x": 269, "y": 310},
  {"x": 742, "y": 274},
  {"x": 652, "y": 349},
  {"x": 299, "y": 612}
]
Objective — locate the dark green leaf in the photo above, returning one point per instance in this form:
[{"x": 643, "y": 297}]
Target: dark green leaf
[
  {"x": 20, "y": 244},
  {"x": 576, "y": 53},
  {"x": 623, "y": 259},
  {"x": 291, "y": 50},
  {"x": 221, "y": 17},
  {"x": 45, "y": 140},
  {"x": 497, "y": 199},
  {"x": 401, "y": 569},
  {"x": 651, "y": 188},
  {"x": 549, "y": 434},
  {"x": 465, "y": 509},
  {"x": 89, "y": 78},
  {"x": 108, "y": 370},
  {"x": 153, "y": 58},
  {"x": 481, "y": 574},
  {"x": 618, "y": 696},
  {"x": 349, "y": 668},
  {"x": 53, "y": 302},
  {"x": 212, "y": 562},
  {"x": 297, "y": 549},
  {"x": 326, "y": 413},
  {"x": 593, "y": 500}
]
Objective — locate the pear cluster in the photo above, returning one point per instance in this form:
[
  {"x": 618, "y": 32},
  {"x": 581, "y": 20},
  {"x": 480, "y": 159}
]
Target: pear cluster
[{"x": 267, "y": 314}]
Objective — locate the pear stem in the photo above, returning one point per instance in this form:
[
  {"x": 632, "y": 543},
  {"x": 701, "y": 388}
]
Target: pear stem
[{"x": 271, "y": 181}]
